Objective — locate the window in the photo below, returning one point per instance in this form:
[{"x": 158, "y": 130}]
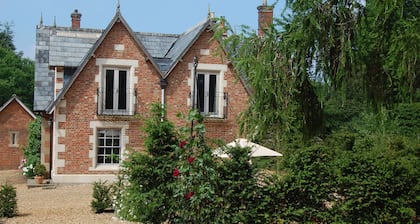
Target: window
[
  {"x": 115, "y": 94},
  {"x": 208, "y": 97},
  {"x": 209, "y": 82},
  {"x": 14, "y": 139},
  {"x": 109, "y": 146},
  {"x": 115, "y": 89}
]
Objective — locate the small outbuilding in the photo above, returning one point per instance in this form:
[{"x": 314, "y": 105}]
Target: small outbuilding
[{"x": 14, "y": 121}]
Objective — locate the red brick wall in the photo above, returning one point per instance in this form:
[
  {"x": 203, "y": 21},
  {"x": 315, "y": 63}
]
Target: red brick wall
[
  {"x": 13, "y": 118},
  {"x": 178, "y": 91},
  {"x": 81, "y": 106}
]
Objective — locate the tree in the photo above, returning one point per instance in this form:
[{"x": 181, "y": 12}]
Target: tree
[
  {"x": 325, "y": 50},
  {"x": 16, "y": 72},
  {"x": 6, "y": 37}
]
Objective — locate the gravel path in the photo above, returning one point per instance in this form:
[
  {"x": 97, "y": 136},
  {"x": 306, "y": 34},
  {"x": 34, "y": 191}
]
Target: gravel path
[{"x": 63, "y": 204}]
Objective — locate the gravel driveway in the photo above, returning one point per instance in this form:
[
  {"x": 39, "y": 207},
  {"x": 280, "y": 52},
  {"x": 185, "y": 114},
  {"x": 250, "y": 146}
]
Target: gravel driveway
[{"x": 62, "y": 204}]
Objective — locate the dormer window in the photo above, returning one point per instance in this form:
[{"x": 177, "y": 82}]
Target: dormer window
[
  {"x": 116, "y": 90},
  {"x": 209, "y": 95},
  {"x": 116, "y": 93}
]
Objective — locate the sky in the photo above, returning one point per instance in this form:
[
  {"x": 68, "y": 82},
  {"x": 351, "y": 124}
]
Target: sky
[{"x": 156, "y": 16}]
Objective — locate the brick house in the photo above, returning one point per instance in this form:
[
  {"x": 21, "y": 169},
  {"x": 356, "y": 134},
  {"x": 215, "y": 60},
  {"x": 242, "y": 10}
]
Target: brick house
[
  {"x": 90, "y": 84},
  {"x": 14, "y": 119}
]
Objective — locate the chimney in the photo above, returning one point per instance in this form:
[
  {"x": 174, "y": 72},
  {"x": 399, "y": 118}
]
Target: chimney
[
  {"x": 265, "y": 17},
  {"x": 75, "y": 20}
]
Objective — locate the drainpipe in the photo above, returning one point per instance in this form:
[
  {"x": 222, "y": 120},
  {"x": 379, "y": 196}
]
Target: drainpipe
[
  {"x": 50, "y": 123},
  {"x": 195, "y": 63},
  {"x": 163, "y": 84}
]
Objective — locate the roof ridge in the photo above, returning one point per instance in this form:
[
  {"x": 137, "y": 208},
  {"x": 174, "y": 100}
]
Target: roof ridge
[{"x": 159, "y": 34}]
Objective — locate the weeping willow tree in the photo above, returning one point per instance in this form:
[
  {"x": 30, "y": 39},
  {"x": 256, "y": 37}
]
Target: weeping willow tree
[{"x": 323, "y": 48}]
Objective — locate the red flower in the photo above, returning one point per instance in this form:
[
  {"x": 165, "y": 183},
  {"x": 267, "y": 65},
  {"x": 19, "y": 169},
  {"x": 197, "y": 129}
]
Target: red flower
[
  {"x": 182, "y": 144},
  {"x": 175, "y": 173},
  {"x": 189, "y": 195},
  {"x": 190, "y": 159}
]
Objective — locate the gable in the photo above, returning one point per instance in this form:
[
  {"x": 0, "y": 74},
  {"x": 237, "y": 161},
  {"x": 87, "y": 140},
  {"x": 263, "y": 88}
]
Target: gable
[{"x": 13, "y": 106}]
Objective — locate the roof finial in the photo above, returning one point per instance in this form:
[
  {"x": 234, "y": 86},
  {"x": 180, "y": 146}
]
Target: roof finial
[
  {"x": 210, "y": 14},
  {"x": 118, "y": 6},
  {"x": 41, "y": 21},
  {"x": 55, "y": 24},
  {"x": 264, "y": 2}
]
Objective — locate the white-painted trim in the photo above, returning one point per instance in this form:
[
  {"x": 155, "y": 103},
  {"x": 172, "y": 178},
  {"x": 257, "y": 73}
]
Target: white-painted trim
[{"x": 82, "y": 178}]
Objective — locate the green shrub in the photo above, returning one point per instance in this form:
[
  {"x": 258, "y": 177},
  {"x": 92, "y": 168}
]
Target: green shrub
[
  {"x": 32, "y": 150},
  {"x": 102, "y": 196},
  {"x": 8, "y": 202},
  {"x": 352, "y": 178}
]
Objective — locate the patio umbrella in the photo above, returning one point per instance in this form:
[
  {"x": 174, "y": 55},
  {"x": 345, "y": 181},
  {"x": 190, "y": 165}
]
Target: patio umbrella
[{"x": 256, "y": 149}]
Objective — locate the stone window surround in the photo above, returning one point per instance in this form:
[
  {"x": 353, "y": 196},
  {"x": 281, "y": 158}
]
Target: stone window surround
[
  {"x": 14, "y": 136},
  {"x": 218, "y": 69},
  {"x": 96, "y": 125},
  {"x": 131, "y": 66}
]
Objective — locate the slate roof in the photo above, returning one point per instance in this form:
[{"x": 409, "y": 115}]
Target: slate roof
[{"x": 63, "y": 46}]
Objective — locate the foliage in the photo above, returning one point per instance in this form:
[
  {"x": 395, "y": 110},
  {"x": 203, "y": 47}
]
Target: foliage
[
  {"x": 145, "y": 181},
  {"x": 102, "y": 196},
  {"x": 187, "y": 183},
  {"x": 8, "y": 201},
  {"x": 32, "y": 150},
  {"x": 16, "y": 72},
  {"x": 352, "y": 177},
  {"x": 40, "y": 169},
  {"x": 405, "y": 120},
  {"x": 351, "y": 51},
  {"x": 6, "y": 36}
]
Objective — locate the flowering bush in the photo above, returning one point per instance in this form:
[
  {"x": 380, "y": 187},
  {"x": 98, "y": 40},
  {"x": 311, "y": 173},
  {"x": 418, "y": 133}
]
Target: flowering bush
[
  {"x": 27, "y": 168},
  {"x": 32, "y": 150},
  {"x": 180, "y": 181}
]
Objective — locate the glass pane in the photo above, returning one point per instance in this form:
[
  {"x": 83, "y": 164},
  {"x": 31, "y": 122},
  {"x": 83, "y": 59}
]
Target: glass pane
[
  {"x": 101, "y": 142},
  {"x": 108, "y": 159},
  {"x": 101, "y": 151},
  {"x": 212, "y": 93},
  {"x": 109, "y": 89},
  {"x": 109, "y": 142},
  {"x": 200, "y": 92},
  {"x": 122, "y": 90},
  {"x": 116, "y": 151},
  {"x": 100, "y": 159},
  {"x": 116, "y": 142},
  {"x": 108, "y": 151}
]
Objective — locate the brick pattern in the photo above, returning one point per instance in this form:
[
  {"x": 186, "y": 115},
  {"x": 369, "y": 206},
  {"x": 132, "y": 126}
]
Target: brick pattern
[
  {"x": 15, "y": 119},
  {"x": 74, "y": 136}
]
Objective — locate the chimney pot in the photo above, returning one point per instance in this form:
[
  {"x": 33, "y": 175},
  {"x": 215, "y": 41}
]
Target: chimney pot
[
  {"x": 75, "y": 19},
  {"x": 265, "y": 17}
]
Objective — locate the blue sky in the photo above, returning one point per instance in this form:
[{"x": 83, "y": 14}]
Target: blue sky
[{"x": 161, "y": 16}]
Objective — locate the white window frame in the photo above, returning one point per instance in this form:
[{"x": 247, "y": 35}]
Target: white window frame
[
  {"x": 119, "y": 64},
  {"x": 219, "y": 70},
  {"x": 93, "y": 140},
  {"x": 104, "y": 146},
  {"x": 206, "y": 97},
  {"x": 115, "y": 90}
]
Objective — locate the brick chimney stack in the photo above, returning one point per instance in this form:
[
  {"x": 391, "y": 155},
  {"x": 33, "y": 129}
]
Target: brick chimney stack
[
  {"x": 75, "y": 19},
  {"x": 265, "y": 17}
]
